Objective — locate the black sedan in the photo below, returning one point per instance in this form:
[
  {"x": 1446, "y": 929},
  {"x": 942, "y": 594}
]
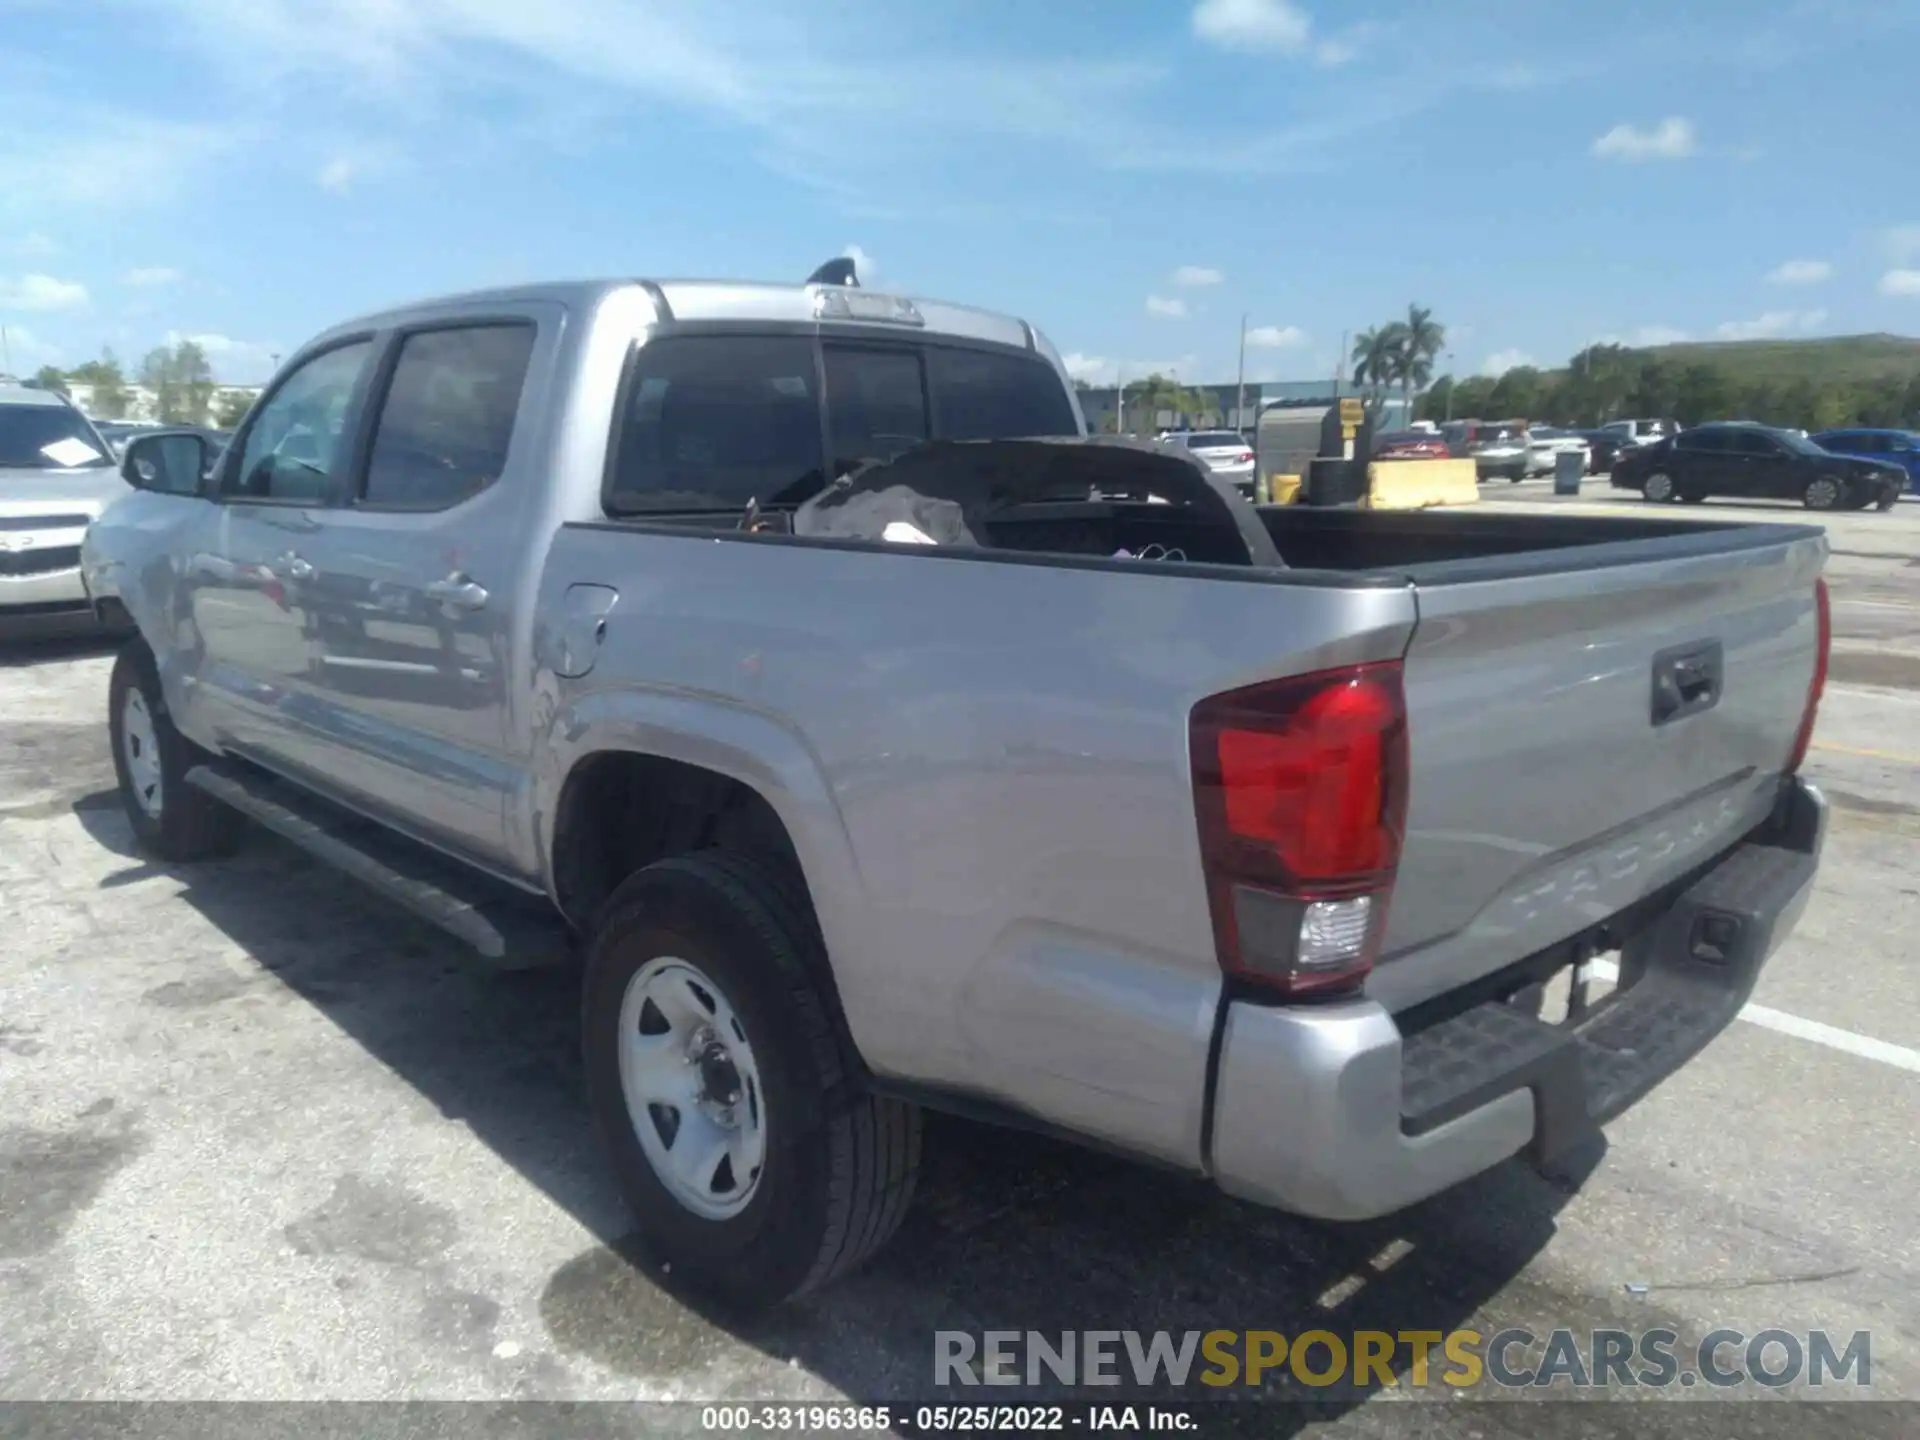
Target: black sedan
[
  {"x": 1603, "y": 448},
  {"x": 1755, "y": 462}
]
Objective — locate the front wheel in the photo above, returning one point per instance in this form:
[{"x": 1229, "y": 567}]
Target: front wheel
[
  {"x": 1659, "y": 487},
  {"x": 735, "y": 1116},
  {"x": 151, "y": 759},
  {"x": 1824, "y": 493},
  {"x": 1888, "y": 501}
]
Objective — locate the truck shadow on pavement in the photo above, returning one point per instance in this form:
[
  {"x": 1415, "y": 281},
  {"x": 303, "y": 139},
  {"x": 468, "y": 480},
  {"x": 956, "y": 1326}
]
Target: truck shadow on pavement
[{"x": 1009, "y": 1231}]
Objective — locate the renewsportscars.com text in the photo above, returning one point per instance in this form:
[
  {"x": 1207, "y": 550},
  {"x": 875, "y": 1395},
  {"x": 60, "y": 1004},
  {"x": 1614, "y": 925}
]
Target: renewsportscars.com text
[{"x": 1457, "y": 1359}]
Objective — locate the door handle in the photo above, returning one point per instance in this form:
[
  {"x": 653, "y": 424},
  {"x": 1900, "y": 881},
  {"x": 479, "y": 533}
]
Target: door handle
[
  {"x": 457, "y": 592},
  {"x": 293, "y": 567},
  {"x": 1686, "y": 680}
]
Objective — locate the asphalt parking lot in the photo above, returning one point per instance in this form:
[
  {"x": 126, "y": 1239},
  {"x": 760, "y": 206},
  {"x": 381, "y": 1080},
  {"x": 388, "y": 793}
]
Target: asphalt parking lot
[{"x": 263, "y": 1138}]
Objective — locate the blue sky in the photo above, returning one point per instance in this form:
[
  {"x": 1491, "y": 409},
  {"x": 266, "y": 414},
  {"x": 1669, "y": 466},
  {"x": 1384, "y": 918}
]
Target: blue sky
[{"x": 1132, "y": 175}]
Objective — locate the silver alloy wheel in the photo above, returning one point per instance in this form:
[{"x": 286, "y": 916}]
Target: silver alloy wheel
[
  {"x": 692, "y": 1088},
  {"x": 1659, "y": 487},
  {"x": 1823, "y": 494},
  {"x": 140, "y": 748}
]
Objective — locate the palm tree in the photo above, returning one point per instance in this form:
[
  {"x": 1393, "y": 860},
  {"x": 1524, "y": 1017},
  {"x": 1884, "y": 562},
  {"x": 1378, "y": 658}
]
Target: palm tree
[
  {"x": 1376, "y": 362},
  {"x": 1421, "y": 341}
]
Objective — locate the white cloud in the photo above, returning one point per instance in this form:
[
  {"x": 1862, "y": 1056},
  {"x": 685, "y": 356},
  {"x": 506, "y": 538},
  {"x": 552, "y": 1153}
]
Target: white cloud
[
  {"x": 103, "y": 160},
  {"x": 1344, "y": 48},
  {"x": 1672, "y": 139},
  {"x": 1277, "y": 337},
  {"x": 1197, "y": 275},
  {"x": 1093, "y": 369},
  {"x": 337, "y": 175},
  {"x": 1647, "y": 336},
  {"x": 29, "y": 351},
  {"x": 1166, "y": 309},
  {"x": 235, "y": 362},
  {"x": 1769, "y": 326},
  {"x": 1264, "y": 25},
  {"x": 865, "y": 267},
  {"x": 1901, "y": 243},
  {"x": 1800, "y": 272},
  {"x": 1904, "y": 283},
  {"x": 1501, "y": 361},
  {"x": 148, "y": 277},
  {"x": 41, "y": 292}
]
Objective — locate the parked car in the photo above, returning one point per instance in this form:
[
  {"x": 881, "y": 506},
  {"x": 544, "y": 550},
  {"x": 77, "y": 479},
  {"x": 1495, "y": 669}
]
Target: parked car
[
  {"x": 56, "y": 474},
  {"x": 882, "y": 762},
  {"x": 1410, "y": 445},
  {"x": 1756, "y": 462},
  {"x": 1498, "y": 449},
  {"x": 1603, "y": 447},
  {"x": 1644, "y": 432},
  {"x": 1226, "y": 453},
  {"x": 1889, "y": 447},
  {"x": 1545, "y": 443}
]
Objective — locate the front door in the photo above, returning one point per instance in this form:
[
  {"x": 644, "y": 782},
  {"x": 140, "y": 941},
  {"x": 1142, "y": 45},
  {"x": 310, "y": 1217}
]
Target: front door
[
  {"x": 254, "y": 587},
  {"x": 424, "y": 570},
  {"x": 1765, "y": 467}
]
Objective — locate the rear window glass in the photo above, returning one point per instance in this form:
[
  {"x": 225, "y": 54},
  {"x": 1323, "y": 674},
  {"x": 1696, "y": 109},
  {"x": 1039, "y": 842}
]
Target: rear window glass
[
  {"x": 876, "y": 404},
  {"x": 713, "y": 422},
  {"x": 978, "y": 395},
  {"x": 448, "y": 418},
  {"x": 1214, "y": 439}
]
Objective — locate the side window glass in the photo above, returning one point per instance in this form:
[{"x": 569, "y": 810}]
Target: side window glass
[
  {"x": 1699, "y": 440},
  {"x": 1901, "y": 445},
  {"x": 447, "y": 417},
  {"x": 1748, "y": 443},
  {"x": 297, "y": 437},
  {"x": 714, "y": 421},
  {"x": 876, "y": 405}
]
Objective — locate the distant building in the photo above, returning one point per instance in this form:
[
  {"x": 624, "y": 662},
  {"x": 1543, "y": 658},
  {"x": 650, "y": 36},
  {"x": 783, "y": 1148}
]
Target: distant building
[
  {"x": 143, "y": 405},
  {"x": 1100, "y": 405}
]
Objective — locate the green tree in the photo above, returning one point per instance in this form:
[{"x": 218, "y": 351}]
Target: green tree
[
  {"x": 110, "y": 398},
  {"x": 182, "y": 383},
  {"x": 50, "y": 377},
  {"x": 1422, "y": 338},
  {"x": 1473, "y": 398},
  {"x": 1702, "y": 393},
  {"x": 1436, "y": 401},
  {"x": 232, "y": 409},
  {"x": 1516, "y": 394},
  {"x": 1377, "y": 357}
]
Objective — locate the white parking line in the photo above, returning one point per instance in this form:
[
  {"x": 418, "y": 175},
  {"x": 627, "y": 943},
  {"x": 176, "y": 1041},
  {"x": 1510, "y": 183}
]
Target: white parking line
[{"x": 1832, "y": 1036}]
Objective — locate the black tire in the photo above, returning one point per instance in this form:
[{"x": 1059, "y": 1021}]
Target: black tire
[
  {"x": 1824, "y": 492},
  {"x": 1693, "y": 497},
  {"x": 840, "y": 1161},
  {"x": 1886, "y": 502},
  {"x": 191, "y": 824}
]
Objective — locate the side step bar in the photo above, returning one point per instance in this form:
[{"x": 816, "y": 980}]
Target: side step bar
[{"x": 511, "y": 930}]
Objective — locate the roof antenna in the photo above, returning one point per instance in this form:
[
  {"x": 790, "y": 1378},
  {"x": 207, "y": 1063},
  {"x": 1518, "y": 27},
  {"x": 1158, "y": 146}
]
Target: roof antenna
[{"x": 838, "y": 271}]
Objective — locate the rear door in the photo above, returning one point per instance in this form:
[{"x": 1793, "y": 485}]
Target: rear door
[
  {"x": 1553, "y": 781},
  {"x": 421, "y": 578}
]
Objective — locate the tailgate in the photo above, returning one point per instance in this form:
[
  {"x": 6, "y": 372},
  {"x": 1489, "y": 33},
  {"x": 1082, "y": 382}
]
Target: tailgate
[{"x": 1553, "y": 782}]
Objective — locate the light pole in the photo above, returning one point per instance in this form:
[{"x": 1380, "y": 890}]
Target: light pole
[
  {"x": 1453, "y": 383},
  {"x": 1240, "y": 382}
]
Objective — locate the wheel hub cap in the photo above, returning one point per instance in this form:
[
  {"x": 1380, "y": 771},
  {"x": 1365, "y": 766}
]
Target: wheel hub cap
[
  {"x": 140, "y": 749},
  {"x": 692, "y": 1087}
]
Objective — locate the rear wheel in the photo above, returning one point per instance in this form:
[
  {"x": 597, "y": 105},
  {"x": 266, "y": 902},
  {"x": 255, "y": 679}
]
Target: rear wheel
[
  {"x": 1659, "y": 487},
  {"x": 732, "y": 1108},
  {"x": 1824, "y": 493},
  {"x": 1887, "y": 501},
  {"x": 151, "y": 758}
]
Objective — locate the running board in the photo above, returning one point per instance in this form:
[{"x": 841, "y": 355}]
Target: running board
[{"x": 510, "y": 930}]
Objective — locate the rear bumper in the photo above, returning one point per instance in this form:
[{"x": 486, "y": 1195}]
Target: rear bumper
[{"x": 1333, "y": 1111}]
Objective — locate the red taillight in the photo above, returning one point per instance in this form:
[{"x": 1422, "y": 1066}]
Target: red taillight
[
  {"x": 1823, "y": 608},
  {"x": 1301, "y": 791},
  {"x": 1245, "y": 457}
]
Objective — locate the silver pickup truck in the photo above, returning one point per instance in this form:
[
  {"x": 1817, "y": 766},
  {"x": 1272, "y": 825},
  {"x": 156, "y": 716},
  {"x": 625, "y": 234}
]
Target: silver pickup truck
[{"x": 886, "y": 743}]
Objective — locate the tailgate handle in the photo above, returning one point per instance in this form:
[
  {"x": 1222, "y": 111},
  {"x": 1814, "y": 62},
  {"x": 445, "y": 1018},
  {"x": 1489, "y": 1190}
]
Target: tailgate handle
[{"x": 1686, "y": 680}]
